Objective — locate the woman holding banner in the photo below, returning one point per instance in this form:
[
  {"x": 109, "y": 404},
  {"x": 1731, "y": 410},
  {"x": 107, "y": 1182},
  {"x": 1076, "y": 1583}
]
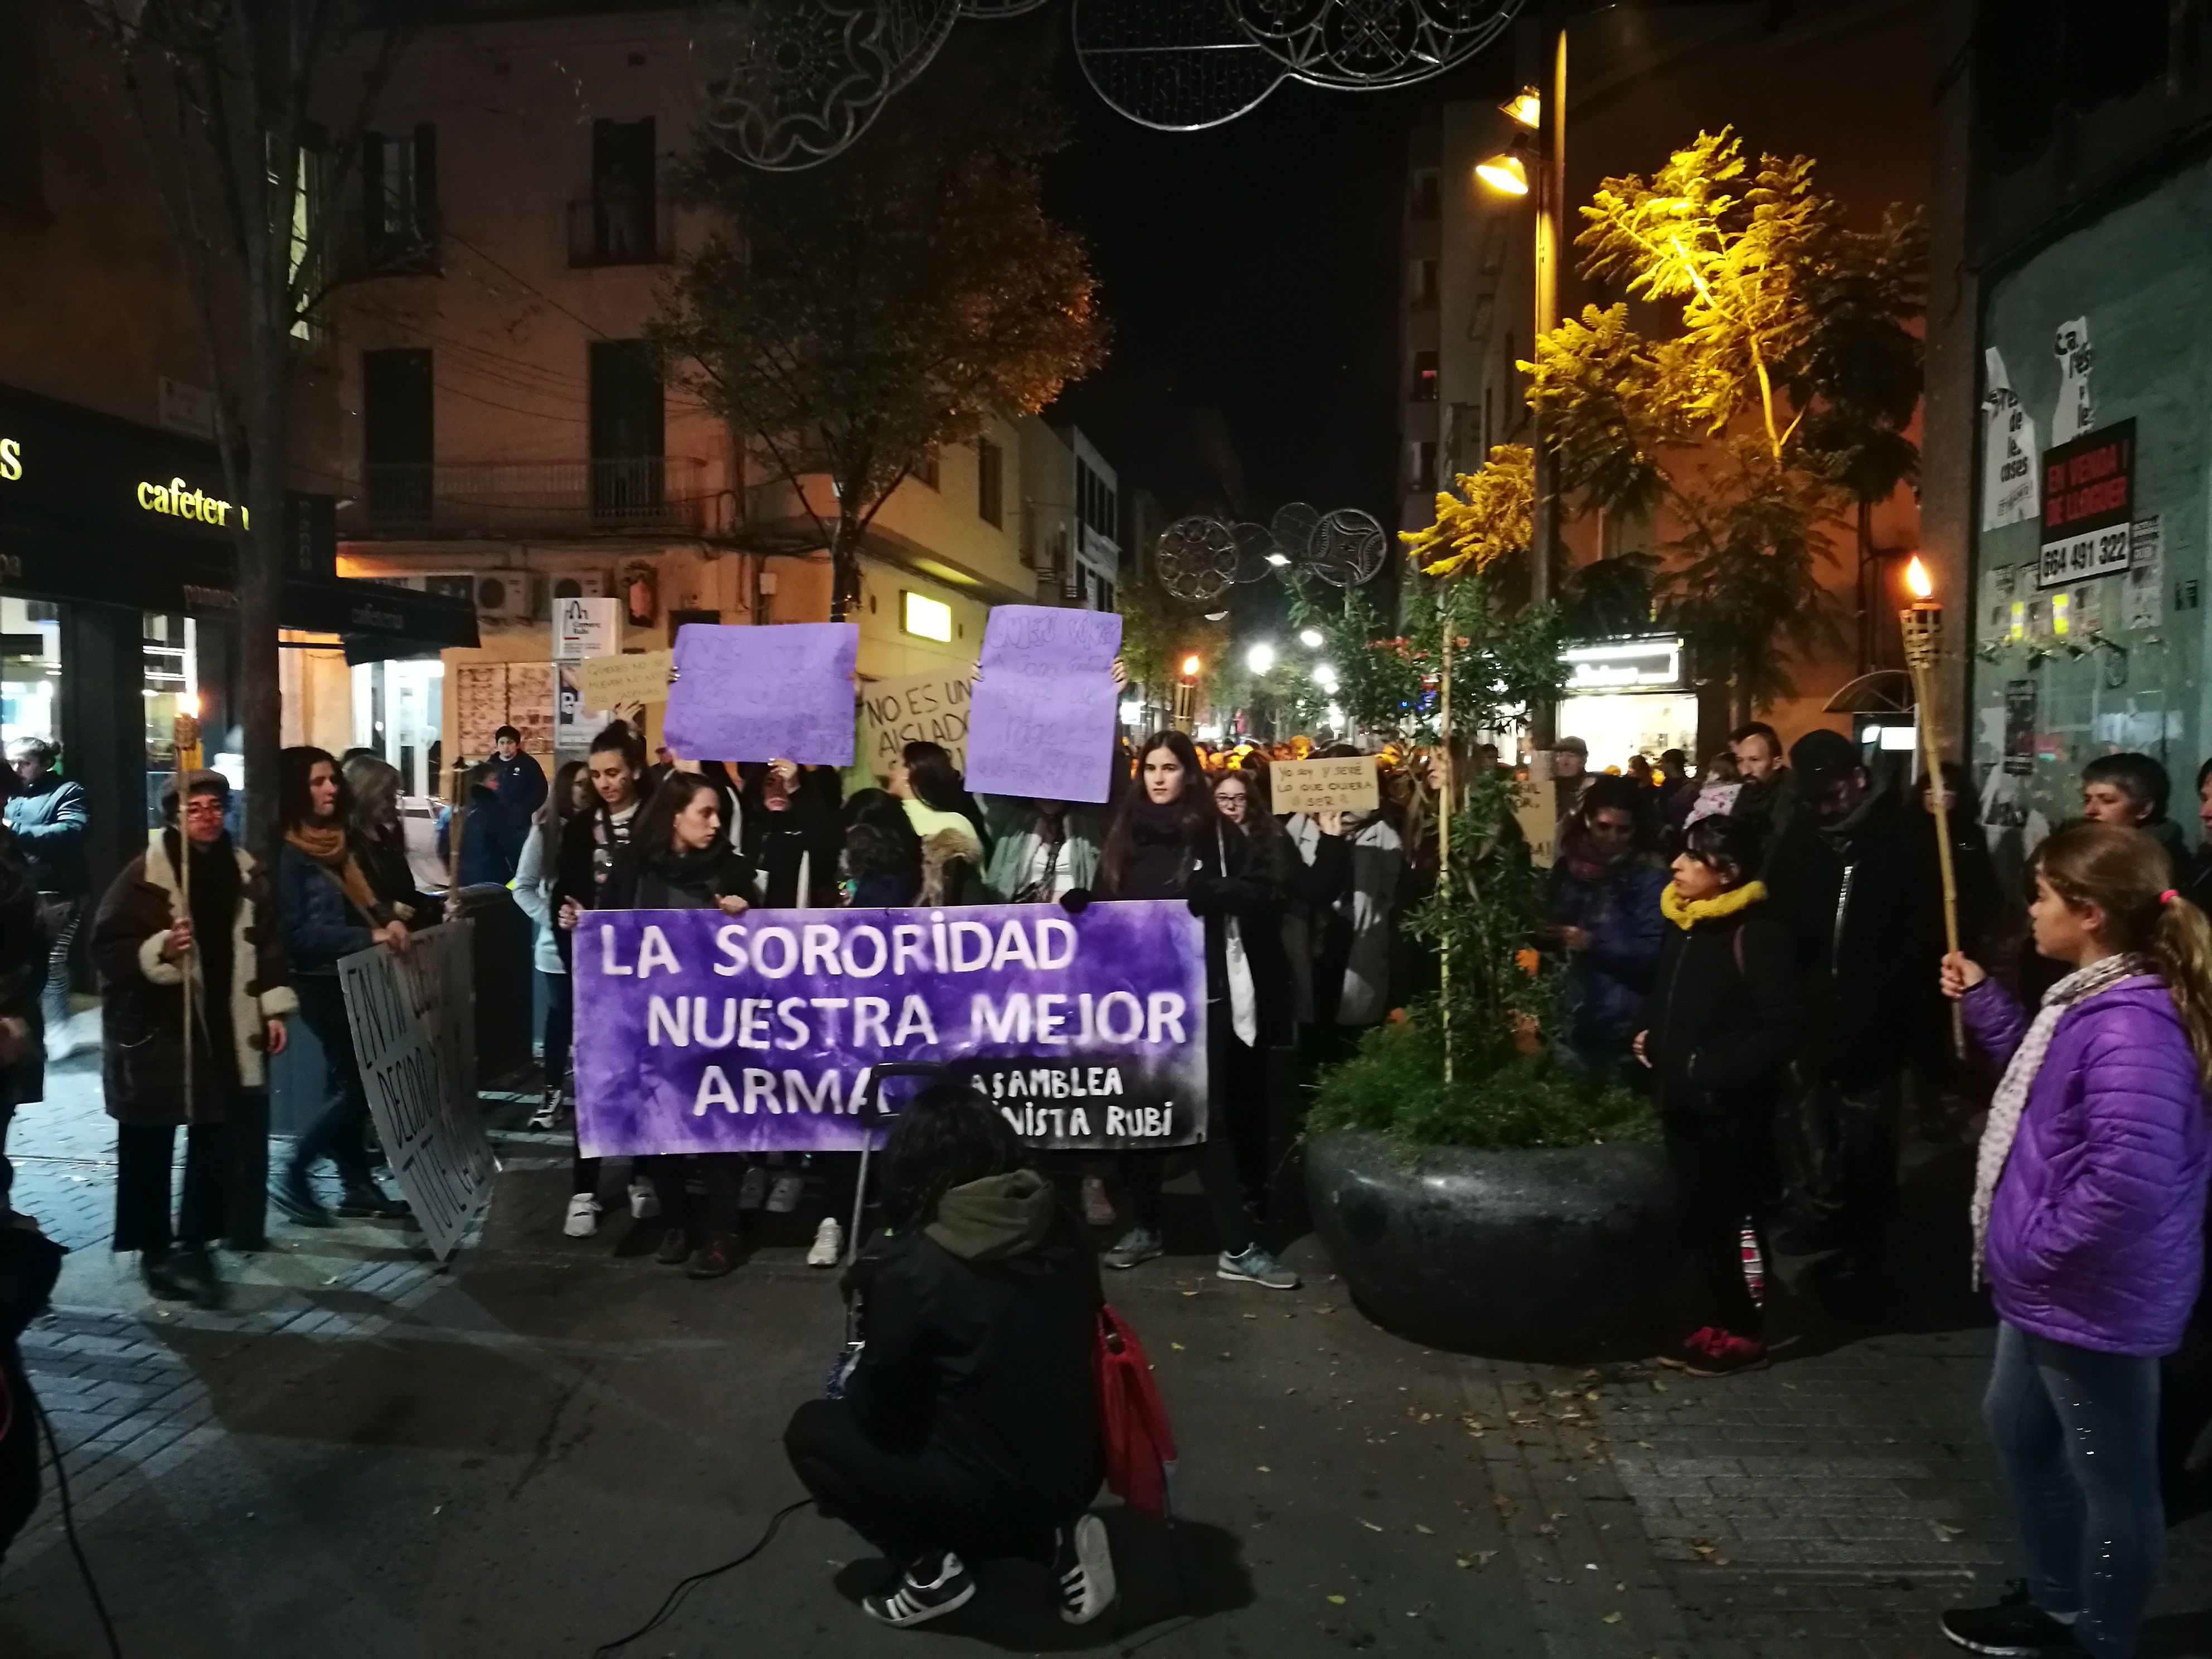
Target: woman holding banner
[
  {"x": 532, "y": 888},
  {"x": 677, "y": 860},
  {"x": 147, "y": 937},
  {"x": 329, "y": 911},
  {"x": 1168, "y": 842},
  {"x": 790, "y": 835}
]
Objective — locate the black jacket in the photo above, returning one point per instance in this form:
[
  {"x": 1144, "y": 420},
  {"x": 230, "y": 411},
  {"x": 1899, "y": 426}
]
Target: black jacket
[
  {"x": 776, "y": 841},
  {"x": 980, "y": 1331},
  {"x": 689, "y": 882},
  {"x": 1219, "y": 877},
  {"x": 1853, "y": 896},
  {"x": 1723, "y": 1018}
]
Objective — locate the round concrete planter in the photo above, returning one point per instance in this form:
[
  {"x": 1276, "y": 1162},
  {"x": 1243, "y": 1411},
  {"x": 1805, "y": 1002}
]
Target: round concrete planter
[{"x": 1569, "y": 1252}]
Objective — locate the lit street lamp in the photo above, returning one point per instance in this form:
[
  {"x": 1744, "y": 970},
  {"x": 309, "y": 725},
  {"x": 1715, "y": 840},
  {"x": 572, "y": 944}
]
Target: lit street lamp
[
  {"x": 1260, "y": 658},
  {"x": 1186, "y": 695},
  {"x": 1311, "y": 638}
]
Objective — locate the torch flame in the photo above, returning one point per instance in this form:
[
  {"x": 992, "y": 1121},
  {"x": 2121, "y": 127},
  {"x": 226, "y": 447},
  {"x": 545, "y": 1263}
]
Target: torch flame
[
  {"x": 1915, "y": 577},
  {"x": 1190, "y": 666},
  {"x": 188, "y": 705}
]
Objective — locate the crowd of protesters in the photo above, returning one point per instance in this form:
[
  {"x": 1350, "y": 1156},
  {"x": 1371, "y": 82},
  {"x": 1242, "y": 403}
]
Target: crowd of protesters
[{"x": 1757, "y": 941}]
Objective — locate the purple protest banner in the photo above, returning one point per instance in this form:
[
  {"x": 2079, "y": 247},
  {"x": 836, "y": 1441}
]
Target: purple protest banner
[
  {"x": 1041, "y": 722},
  {"x": 698, "y": 1032},
  {"x": 779, "y": 692}
]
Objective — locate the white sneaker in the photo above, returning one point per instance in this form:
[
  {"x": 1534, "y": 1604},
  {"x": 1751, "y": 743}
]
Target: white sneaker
[
  {"x": 829, "y": 1245},
  {"x": 644, "y": 1202},
  {"x": 1083, "y": 1570},
  {"x": 583, "y": 1217},
  {"x": 753, "y": 1188},
  {"x": 783, "y": 1196}
]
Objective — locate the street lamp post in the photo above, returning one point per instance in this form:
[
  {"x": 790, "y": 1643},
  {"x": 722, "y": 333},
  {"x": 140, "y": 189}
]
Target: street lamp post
[
  {"x": 1185, "y": 696},
  {"x": 1542, "y": 112}
]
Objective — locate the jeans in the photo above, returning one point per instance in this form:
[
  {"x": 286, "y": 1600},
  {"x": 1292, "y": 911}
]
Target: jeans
[
  {"x": 2076, "y": 1435},
  {"x": 340, "y": 1131},
  {"x": 1724, "y": 1163},
  {"x": 560, "y": 1027},
  {"x": 144, "y": 1155},
  {"x": 909, "y": 1505},
  {"x": 62, "y": 915}
]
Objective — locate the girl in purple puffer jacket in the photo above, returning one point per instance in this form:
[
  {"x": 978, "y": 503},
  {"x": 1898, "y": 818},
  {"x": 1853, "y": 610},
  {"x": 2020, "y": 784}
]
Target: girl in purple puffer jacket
[{"x": 2088, "y": 1220}]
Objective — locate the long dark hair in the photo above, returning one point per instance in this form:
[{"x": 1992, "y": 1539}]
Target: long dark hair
[
  {"x": 653, "y": 835},
  {"x": 1727, "y": 847},
  {"x": 557, "y": 808},
  {"x": 933, "y": 778},
  {"x": 879, "y": 837},
  {"x": 373, "y": 783},
  {"x": 1193, "y": 808},
  {"x": 948, "y": 1136},
  {"x": 293, "y": 768}
]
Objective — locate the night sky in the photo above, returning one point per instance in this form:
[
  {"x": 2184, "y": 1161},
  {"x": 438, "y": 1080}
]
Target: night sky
[{"x": 1258, "y": 263}]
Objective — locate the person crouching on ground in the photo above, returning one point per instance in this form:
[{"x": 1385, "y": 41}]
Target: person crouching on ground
[
  {"x": 967, "y": 1427},
  {"x": 676, "y": 859},
  {"x": 2089, "y": 1200},
  {"x": 144, "y": 941},
  {"x": 1719, "y": 1029}
]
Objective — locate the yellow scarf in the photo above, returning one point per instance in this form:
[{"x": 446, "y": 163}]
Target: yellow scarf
[
  {"x": 327, "y": 847},
  {"x": 1686, "y": 914}
]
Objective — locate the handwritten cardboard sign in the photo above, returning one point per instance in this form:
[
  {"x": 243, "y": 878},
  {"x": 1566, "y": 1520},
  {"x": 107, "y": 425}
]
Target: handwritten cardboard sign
[
  {"x": 920, "y": 708},
  {"x": 1042, "y": 722},
  {"x": 1343, "y": 785},
  {"x": 617, "y": 682},
  {"x": 756, "y": 693}
]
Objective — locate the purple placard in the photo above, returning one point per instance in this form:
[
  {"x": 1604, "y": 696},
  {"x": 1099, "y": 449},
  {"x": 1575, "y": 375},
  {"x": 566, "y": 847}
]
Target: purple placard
[
  {"x": 698, "y": 1032},
  {"x": 1041, "y": 722},
  {"x": 779, "y": 692}
]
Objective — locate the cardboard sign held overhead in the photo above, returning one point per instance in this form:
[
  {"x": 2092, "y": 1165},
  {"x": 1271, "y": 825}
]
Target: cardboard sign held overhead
[
  {"x": 1344, "y": 785},
  {"x": 920, "y": 708},
  {"x": 783, "y": 692},
  {"x": 617, "y": 682}
]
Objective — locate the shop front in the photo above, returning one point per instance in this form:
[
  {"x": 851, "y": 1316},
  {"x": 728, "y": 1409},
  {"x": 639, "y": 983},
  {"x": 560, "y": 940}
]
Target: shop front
[
  {"x": 119, "y": 603},
  {"x": 1625, "y": 697}
]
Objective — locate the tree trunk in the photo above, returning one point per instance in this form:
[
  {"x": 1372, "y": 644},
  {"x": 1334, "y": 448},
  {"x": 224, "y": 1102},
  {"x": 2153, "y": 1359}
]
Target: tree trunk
[
  {"x": 261, "y": 568},
  {"x": 845, "y": 566}
]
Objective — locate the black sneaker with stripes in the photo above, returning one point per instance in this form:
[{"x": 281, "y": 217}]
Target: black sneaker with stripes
[
  {"x": 930, "y": 1589},
  {"x": 1083, "y": 1570}
]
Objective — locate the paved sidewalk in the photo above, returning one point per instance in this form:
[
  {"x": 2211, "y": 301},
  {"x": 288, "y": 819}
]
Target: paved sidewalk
[{"x": 370, "y": 1456}]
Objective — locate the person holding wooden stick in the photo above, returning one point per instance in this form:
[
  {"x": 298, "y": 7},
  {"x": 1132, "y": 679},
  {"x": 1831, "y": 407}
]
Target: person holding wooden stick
[{"x": 149, "y": 941}]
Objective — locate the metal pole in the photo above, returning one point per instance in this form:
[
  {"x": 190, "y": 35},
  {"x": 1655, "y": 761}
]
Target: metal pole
[
  {"x": 1450, "y": 628},
  {"x": 1551, "y": 193}
]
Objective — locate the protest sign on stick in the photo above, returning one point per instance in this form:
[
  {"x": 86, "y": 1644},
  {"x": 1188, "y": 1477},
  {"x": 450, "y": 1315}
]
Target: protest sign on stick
[
  {"x": 779, "y": 692},
  {"x": 697, "y": 1032},
  {"x": 413, "y": 1019},
  {"x": 1043, "y": 719},
  {"x": 1345, "y": 784},
  {"x": 920, "y": 708}
]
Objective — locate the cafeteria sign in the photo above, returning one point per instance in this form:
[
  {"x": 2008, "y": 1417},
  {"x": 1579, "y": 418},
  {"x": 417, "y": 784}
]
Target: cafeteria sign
[{"x": 2088, "y": 501}]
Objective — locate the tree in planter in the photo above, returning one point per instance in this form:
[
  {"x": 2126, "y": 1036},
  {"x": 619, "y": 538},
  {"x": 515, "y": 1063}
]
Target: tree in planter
[
  {"x": 1792, "y": 379},
  {"x": 234, "y": 98},
  {"x": 852, "y": 317}
]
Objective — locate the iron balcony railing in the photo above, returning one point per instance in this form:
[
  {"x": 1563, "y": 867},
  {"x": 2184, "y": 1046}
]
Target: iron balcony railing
[
  {"x": 621, "y": 231},
  {"x": 545, "y": 498}
]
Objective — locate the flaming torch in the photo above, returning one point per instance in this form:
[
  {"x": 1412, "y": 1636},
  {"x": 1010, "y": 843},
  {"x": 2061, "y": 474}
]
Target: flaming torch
[{"x": 1923, "y": 623}]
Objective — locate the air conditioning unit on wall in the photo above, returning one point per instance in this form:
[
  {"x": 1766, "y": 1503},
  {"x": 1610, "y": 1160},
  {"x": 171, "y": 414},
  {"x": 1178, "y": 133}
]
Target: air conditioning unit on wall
[
  {"x": 504, "y": 597},
  {"x": 583, "y": 585}
]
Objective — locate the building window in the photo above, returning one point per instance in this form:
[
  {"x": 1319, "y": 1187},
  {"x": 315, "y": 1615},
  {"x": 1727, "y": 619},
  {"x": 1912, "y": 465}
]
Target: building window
[
  {"x": 1095, "y": 506},
  {"x": 926, "y": 468},
  {"x": 628, "y": 431},
  {"x": 398, "y": 441},
  {"x": 619, "y": 223},
  {"x": 1423, "y": 282},
  {"x": 990, "y": 482},
  {"x": 1424, "y": 193},
  {"x": 1424, "y": 468},
  {"x": 1424, "y": 377},
  {"x": 1105, "y": 594},
  {"x": 925, "y": 617},
  {"x": 400, "y": 183}
]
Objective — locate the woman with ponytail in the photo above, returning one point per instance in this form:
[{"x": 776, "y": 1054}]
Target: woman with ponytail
[{"x": 2089, "y": 1213}]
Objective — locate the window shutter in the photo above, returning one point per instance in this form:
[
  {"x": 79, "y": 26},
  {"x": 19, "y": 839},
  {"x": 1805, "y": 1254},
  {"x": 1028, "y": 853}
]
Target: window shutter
[{"x": 424, "y": 230}]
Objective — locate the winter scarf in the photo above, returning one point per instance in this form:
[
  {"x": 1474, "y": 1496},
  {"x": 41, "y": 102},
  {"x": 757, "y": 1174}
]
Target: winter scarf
[
  {"x": 1686, "y": 914},
  {"x": 2020, "y": 1077},
  {"x": 327, "y": 848}
]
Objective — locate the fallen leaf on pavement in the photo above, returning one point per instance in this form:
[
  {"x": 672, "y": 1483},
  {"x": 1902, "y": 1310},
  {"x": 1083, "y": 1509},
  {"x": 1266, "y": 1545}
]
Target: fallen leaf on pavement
[
  {"x": 1370, "y": 1526},
  {"x": 1336, "y": 1601},
  {"x": 1611, "y": 1619},
  {"x": 1422, "y": 1530}
]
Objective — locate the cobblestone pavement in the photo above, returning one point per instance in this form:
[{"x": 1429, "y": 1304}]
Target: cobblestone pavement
[{"x": 1827, "y": 1506}]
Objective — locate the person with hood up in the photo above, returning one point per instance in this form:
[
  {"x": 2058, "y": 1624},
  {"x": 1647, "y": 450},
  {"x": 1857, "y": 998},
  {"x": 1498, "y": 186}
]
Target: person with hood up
[
  {"x": 1605, "y": 914},
  {"x": 1849, "y": 871},
  {"x": 2088, "y": 1216},
  {"x": 1717, "y": 1032},
  {"x": 144, "y": 941},
  {"x": 967, "y": 1427}
]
